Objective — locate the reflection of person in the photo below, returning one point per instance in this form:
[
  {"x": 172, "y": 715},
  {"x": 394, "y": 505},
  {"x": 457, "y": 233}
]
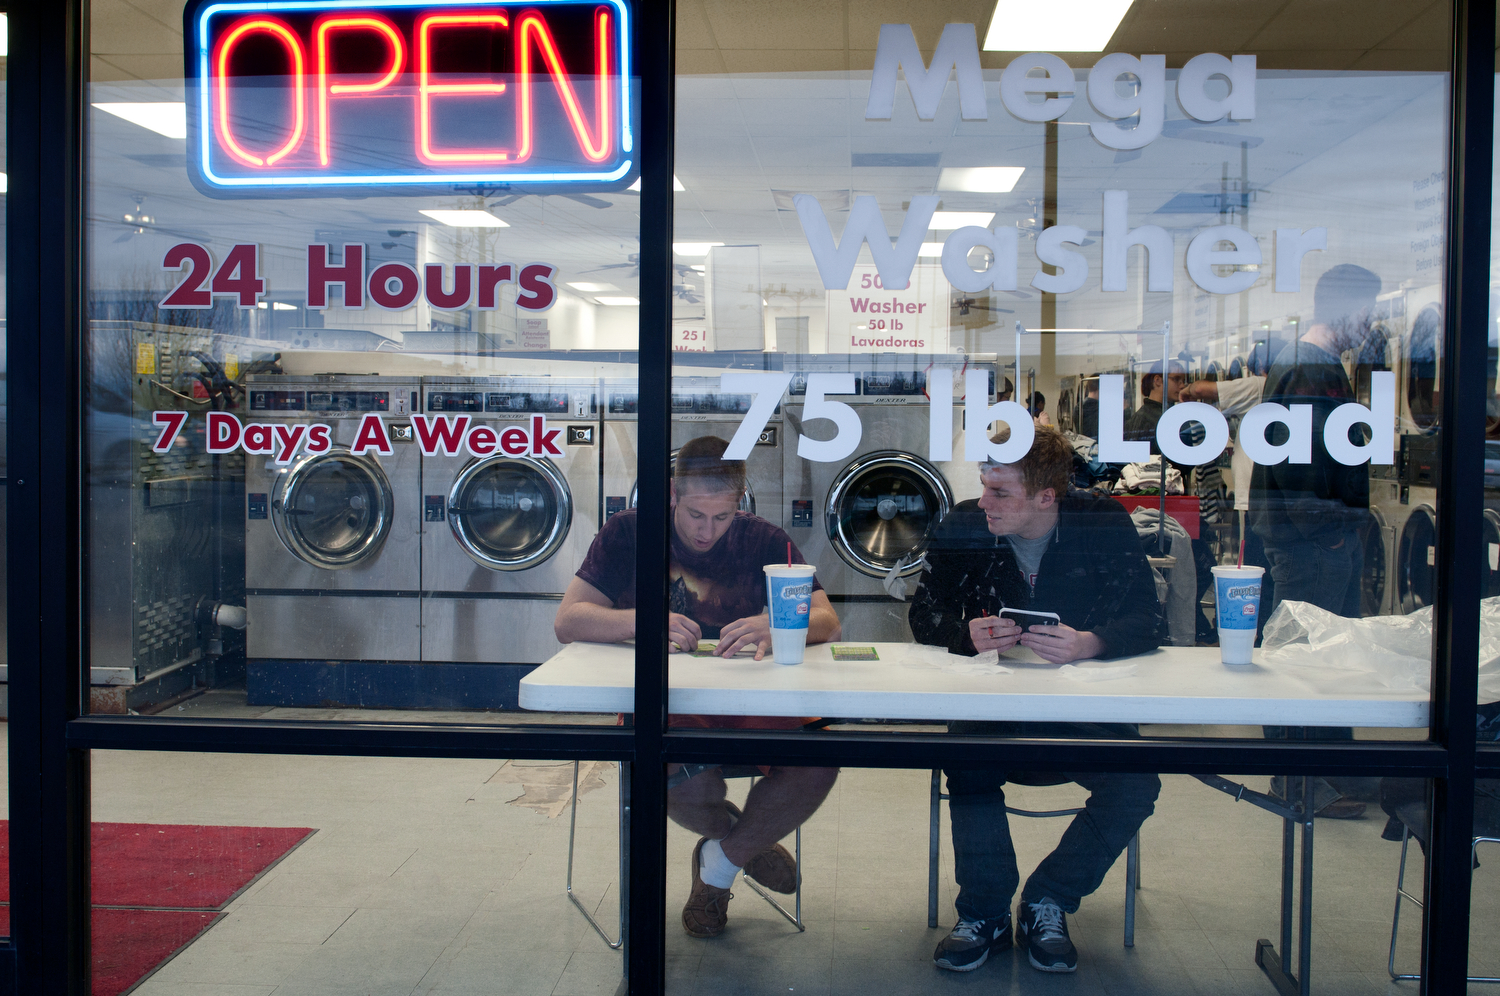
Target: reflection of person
[
  {"x": 1088, "y": 414},
  {"x": 718, "y": 592},
  {"x": 1007, "y": 389},
  {"x": 1142, "y": 424},
  {"x": 1029, "y": 543},
  {"x": 1310, "y": 516},
  {"x": 1037, "y": 404}
]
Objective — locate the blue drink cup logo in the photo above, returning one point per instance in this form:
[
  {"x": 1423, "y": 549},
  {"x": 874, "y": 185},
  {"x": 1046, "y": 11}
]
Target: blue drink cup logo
[
  {"x": 789, "y": 602},
  {"x": 1237, "y": 594}
]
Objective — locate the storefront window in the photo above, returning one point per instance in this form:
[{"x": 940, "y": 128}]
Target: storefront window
[{"x": 359, "y": 288}]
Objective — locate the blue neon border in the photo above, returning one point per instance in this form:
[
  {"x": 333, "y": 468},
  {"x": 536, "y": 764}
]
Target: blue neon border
[{"x": 627, "y": 137}]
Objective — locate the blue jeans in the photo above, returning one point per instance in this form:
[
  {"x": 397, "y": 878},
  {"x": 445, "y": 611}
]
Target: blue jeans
[{"x": 985, "y": 857}]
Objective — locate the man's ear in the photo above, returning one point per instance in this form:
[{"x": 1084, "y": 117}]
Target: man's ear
[
  {"x": 672, "y": 493},
  {"x": 1047, "y": 497}
]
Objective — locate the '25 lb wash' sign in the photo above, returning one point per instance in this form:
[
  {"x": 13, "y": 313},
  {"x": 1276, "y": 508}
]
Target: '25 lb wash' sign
[{"x": 300, "y": 95}]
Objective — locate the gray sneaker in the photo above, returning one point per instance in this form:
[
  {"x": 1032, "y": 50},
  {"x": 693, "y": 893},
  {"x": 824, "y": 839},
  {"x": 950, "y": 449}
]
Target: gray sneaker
[
  {"x": 970, "y": 943},
  {"x": 1042, "y": 928}
]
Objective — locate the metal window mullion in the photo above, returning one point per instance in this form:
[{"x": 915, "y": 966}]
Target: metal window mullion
[
  {"x": 647, "y": 822},
  {"x": 1455, "y": 644}
]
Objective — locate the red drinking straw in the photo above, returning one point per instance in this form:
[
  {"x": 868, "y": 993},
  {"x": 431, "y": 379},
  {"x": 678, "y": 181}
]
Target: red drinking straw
[{"x": 789, "y": 553}]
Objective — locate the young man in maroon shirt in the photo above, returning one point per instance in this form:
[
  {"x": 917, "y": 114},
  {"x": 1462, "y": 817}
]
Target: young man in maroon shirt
[{"x": 717, "y": 592}]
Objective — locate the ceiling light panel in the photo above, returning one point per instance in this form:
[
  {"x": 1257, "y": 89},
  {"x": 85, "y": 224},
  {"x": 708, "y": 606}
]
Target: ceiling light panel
[
  {"x": 947, "y": 221},
  {"x": 981, "y": 179},
  {"x": 693, "y": 248},
  {"x": 465, "y": 219},
  {"x": 592, "y": 288},
  {"x": 169, "y": 119},
  {"x": 619, "y": 302},
  {"x": 1055, "y": 26}
]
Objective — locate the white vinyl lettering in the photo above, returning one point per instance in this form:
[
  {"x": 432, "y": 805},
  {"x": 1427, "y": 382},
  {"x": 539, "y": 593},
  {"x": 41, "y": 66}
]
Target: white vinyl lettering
[
  {"x": 1380, "y": 417},
  {"x": 765, "y": 388},
  {"x": 940, "y": 413},
  {"x": 979, "y": 414},
  {"x": 1169, "y": 433},
  {"x": 1192, "y": 87},
  {"x": 1113, "y": 447},
  {"x": 957, "y": 54},
  {"x": 836, "y": 260},
  {"x": 1203, "y": 255},
  {"x": 1001, "y": 272},
  {"x": 1017, "y": 84},
  {"x": 846, "y": 439},
  {"x": 1049, "y": 249},
  {"x": 1291, "y": 245},
  {"x": 1298, "y": 446},
  {"x": 1119, "y": 237},
  {"x": 1150, "y": 72}
]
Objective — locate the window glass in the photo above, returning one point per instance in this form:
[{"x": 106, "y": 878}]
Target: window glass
[
  {"x": 304, "y": 878},
  {"x": 889, "y": 869},
  {"x": 359, "y": 283},
  {"x": 1488, "y": 721},
  {"x": 913, "y": 239}
]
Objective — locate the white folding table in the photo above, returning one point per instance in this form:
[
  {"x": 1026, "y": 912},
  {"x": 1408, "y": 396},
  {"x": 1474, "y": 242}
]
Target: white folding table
[{"x": 910, "y": 681}]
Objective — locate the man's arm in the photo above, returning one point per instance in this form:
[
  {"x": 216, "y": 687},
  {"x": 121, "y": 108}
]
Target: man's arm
[
  {"x": 823, "y": 625},
  {"x": 755, "y": 631},
  {"x": 587, "y": 614}
]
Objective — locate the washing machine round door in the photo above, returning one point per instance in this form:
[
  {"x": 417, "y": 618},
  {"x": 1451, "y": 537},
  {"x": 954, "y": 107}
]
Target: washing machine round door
[
  {"x": 1489, "y": 579},
  {"x": 510, "y": 513},
  {"x": 333, "y": 510},
  {"x": 1415, "y": 559},
  {"x": 882, "y": 508},
  {"x": 747, "y": 500},
  {"x": 1376, "y": 570}
]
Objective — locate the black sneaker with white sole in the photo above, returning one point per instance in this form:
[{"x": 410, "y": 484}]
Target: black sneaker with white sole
[
  {"x": 1043, "y": 930},
  {"x": 971, "y": 942}
]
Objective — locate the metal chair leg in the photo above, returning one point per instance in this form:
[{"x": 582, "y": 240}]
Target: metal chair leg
[
  {"x": 933, "y": 840},
  {"x": 795, "y": 919},
  {"x": 1390, "y": 965},
  {"x": 1132, "y": 883},
  {"x": 573, "y": 898}
]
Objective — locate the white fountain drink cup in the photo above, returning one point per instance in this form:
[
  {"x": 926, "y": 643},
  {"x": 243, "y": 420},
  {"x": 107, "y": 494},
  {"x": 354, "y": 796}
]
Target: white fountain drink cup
[
  {"x": 1237, "y": 595},
  {"x": 789, "y": 601}
]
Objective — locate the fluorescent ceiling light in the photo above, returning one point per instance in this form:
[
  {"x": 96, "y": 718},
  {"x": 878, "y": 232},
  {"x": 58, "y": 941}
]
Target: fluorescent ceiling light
[
  {"x": 930, "y": 249},
  {"x": 694, "y": 266},
  {"x": 676, "y": 184},
  {"x": 4, "y": 183},
  {"x": 693, "y": 248},
  {"x": 283, "y": 306},
  {"x": 619, "y": 302},
  {"x": 947, "y": 221},
  {"x": 1055, "y": 26},
  {"x": 465, "y": 219},
  {"x": 4, "y": 35},
  {"x": 169, "y": 119},
  {"x": 981, "y": 179},
  {"x": 589, "y": 288}
]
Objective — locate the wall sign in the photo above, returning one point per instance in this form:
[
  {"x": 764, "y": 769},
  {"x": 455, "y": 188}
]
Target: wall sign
[{"x": 300, "y": 95}]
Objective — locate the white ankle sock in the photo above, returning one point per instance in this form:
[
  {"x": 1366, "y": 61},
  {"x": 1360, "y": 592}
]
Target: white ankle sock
[{"x": 714, "y": 868}]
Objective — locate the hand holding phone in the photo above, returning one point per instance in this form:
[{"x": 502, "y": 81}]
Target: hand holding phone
[
  {"x": 993, "y": 633},
  {"x": 1027, "y": 618}
]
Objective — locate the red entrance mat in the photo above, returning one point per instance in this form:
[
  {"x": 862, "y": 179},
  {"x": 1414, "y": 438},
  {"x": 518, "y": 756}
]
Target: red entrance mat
[
  {"x": 172, "y": 866},
  {"x": 182, "y": 875}
]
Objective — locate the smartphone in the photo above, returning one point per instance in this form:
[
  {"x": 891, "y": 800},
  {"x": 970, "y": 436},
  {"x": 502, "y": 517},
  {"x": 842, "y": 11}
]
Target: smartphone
[{"x": 1026, "y": 618}]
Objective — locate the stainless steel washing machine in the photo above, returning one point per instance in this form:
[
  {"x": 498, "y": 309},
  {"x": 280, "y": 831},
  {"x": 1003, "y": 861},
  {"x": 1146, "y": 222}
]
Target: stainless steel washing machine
[
  {"x": 874, "y": 512},
  {"x": 502, "y": 535},
  {"x": 699, "y": 408},
  {"x": 333, "y": 540}
]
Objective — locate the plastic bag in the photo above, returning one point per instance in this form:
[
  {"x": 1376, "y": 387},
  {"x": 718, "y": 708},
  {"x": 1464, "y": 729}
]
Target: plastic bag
[{"x": 1395, "y": 651}]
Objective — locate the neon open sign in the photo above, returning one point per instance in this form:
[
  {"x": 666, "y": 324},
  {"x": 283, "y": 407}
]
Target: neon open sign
[{"x": 292, "y": 94}]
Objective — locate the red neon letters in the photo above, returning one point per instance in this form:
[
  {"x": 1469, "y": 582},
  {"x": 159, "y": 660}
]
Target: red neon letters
[
  {"x": 293, "y": 45},
  {"x": 398, "y": 58}
]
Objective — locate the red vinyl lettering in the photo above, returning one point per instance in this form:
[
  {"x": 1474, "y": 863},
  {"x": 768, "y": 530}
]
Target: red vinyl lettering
[
  {"x": 513, "y": 441},
  {"x": 189, "y": 292},
  {"x": 440, "y": 434},
  {"x": 490, "y": 277},
  {"x": 319, "y": 439},
  {"x": 362, "y": 23},
  {"x": 351, "y": 274},
  {"x": 171, "y": 424},
  {"x": 409, "y": 286},
  {"x": 239, "y": 275},
  {"x": 289, "y": 439},
  {"x": 371, "y": 436},
  {"x": 537, "y": 290},
  {"x": 223, "y": 432},
  {"x": 463, "y": 287},
  {"x": 258, "y": 438},
  {"x": 481, "y": 441},
  {"x": 542, "y": 437}
]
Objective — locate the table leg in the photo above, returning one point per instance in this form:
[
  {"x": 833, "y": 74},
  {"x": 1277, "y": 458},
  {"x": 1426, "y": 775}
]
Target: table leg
[
  {"x": 1278, "y": 964},
  {"x": 1304, "y": 940}
]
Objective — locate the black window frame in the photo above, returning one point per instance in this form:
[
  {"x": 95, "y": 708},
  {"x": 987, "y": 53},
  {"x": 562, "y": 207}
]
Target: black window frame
[{"x": 51, "y": 735}]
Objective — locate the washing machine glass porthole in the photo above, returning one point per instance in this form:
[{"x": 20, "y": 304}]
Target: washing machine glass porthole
[
  {"x": 1489, "y": 583},
  {"x": 510, "y": 514},
  {"x": 334, "y": 510},
  {"x": 882, "y": 508},
  {"x": 747, "y": 500},
  {"x": 1375, "y": 570},
  {"x": 1416, "y": 560}
]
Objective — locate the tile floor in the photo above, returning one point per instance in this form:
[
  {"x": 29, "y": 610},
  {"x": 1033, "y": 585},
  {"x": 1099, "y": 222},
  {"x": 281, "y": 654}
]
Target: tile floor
[{"x": 446, "y": 877}]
